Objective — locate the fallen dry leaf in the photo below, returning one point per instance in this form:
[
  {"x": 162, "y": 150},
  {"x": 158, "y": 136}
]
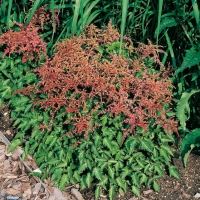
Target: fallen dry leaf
[
  {"x": 25, "y": 186},
  {"x": 77, "y": 194},
  {"x": 8, "y": 176},
  {"x": 11, "y": 191}
]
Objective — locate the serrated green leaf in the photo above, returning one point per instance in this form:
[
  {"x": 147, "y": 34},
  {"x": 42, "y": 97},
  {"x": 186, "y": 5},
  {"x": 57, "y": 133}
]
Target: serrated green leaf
[
  {"x": 111, "y": 192},
  {"x": 147, "y": 145},
  {"x": 107, "y": 143},
  {"x": 104, "y": 119},
  {"x": 131, "y": 145},
  {"x": 97, "y": 138},
  {"x": 156, "y": 186},
  {"x": 159, "y": 170},
  {"x": 136, "y": 190},
  {"x": 121, "y": 183},
  {"x": 143, "y": 179},
  {"x": 125, "y": 172},
  {"x": 97, "y": 192},
  {"x": 53, "y": 162},
  {"x": 167, "y": 148},
  {"x": 174, "y": 172},
  {"x": 83, "y": 182},
  {"x": 6, "y": 93},
  {"x": 164, "y": 154},
  {"x": 135, "y": 179},
  {"x": 14, "y": 145},
  {"x": 70, "y": 171},
  {"x": 77, "y": 176},
  {"x": 104, "y": 182},
  {"x": 82, "y": 168},
  {"x": 63, "y": 182},
  {"x": 111, "y": 172},
  {"x": 107, "y": 131},
  {"x": 119, "y": 138},
  {"x": 97, "y": 173},
  {"x": 89, "y": 179},
  {"x": 166, "y": 138},
  {"x": 57, "y": 174}
]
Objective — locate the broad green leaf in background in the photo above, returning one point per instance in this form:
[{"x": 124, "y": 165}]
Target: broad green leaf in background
[
  {"x": 191, "y": 58},
  {"x": 165, "y": 23},
  {"x": 183, "y": 108},
  {"x": 189, "y": 142}
]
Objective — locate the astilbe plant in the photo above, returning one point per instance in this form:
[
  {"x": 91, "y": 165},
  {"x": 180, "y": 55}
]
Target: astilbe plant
[
  {"x": 118, "y": 102},
  {"x": 81, "y": 71},
  {"x": 26, "y": 41}
]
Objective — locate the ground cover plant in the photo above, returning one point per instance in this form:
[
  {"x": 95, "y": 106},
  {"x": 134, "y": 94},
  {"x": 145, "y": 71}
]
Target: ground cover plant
[{"x": 110, "y": 127}]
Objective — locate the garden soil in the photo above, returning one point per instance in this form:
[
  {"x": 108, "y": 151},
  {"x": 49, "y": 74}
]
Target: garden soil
[{"x": 16, "y": 181}]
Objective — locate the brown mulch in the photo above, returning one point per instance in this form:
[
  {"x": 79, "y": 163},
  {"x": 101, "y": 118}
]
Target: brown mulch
[{"x": 16, "y": 181}]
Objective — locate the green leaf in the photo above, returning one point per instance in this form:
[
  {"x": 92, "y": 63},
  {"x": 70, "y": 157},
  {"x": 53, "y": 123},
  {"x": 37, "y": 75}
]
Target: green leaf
[
  {"x": 97, "y": 173},
  {"x": 77, "y": 176},
  {"x": 57, "y": 174},
  {"x": 167, "y": 148},
  {"x": 104, "y": 182},
  {"x": 97, "y": 192},
  {"x": 183, "y": 108},
  {"x": 165, "y": 23},
  {"x": 49, "y": 139},
  {"x": 107, "y": 131},
  {"x": 83, "y": 182},
  {"x": 136, "y": 190},
  {"x": 166, "y": 138},
  {"x": 97, "y": 138},
  {"x": 111, "y": 192},
  {"x": 188, "y": 143},
  {"x": 82, "y": 168},
  {"x": 121, "y": 183},
  {"x": 164, "y": 154},
  {"x": 143, "y": 179},
  {"x": 107, "y": 143},
  {"x": 135, "y": 179},
  {"x": 89, "y": 179},
  {"x": 159, "y": 170},
  {"x": 156, "y": 186},
  {"x": 131, "y": 145},
  {"x": 119, "y": 138},
  {"x": 111, "y": 172},
  {"x": 191, "y": 58},
  {"x": 14, "y": 145},
  {"x": 147, "y": 145},
  {"x": 6, "y": 93},
  {"x": 174, "y": 172},
  {"x": 63, "y": 182},
  {"x": 104, "y": 119}
]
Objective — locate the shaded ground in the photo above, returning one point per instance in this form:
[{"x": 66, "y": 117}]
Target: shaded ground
[{"x": 170, "y": 189}]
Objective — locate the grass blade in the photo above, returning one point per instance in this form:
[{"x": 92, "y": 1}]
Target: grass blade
[
  {"x": 9, "y": 11},
  {"x": 34, "y": 8},
  {"x": 196, "y": 12},
  {"x": 123, "y": 22},
  {"x": 160, "y": 5},
  {"x": 170, "y": 50},
  {"x": 75, "y": 17}
]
